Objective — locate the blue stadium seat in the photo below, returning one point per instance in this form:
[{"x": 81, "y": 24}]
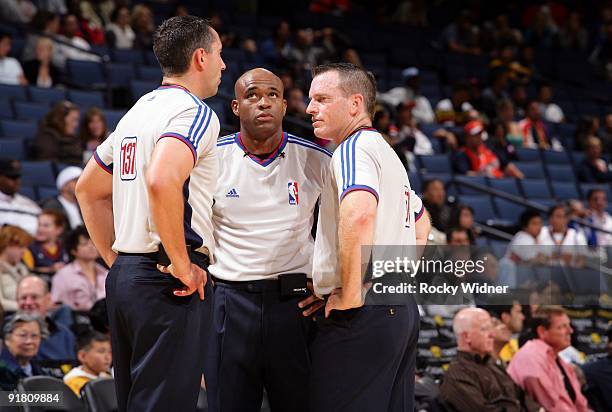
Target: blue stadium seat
[
  {"x": 561, "y": 173},
  {"x": 415, "y": 182},
  {"x": 6, "y": 109},
  {"x": 586, "y": 187},
  {"x": 556, "y": 157},
  {"x": 30, "y": 111},
  {"x": 528, "y": 155},
  {"x": 10, "y": 92},
  {"x": 12, "y": 148},
  {"x": 479, "y": 180},
  {"x": 86, "y": 99},
  {"x": 113, "y": 117},
  {"x": 507, "y": 185},
  {"x": 150, "y": 58},
  {"x": 150, "y": 73},
  {"x": 430, "y": 128},
  {"x": 49, "y": 96},
  {"x": 565, "y": 190},
  {"x": 220, "y": 107},
  {"x": 86, "y": 73},
  {"x": 483, "y": 209},
  {"x": 29, "y": 192},
  {"x": 47, "y": 192},
  {"x": 121, "y": 74},
  {"x": 508, "y": 211},
  {"x": 38, "y": 173},
  {"x": 499, "y": 247},
  {"x": 531, "y": 170},
  {"x": 577, "y": 158},
  {"x": 127, "y": 56},
  {"x": 16, "y": 128},
  {"x": 566, "y": 129},
  {"x": 536, "y": 189},
  {"x": 436, "y": 163},
  {"x": 140, "y": 88}
]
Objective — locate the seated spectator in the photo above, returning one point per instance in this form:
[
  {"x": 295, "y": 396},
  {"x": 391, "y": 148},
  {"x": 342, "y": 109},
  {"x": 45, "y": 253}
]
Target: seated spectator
[
  {"x": 48, "y": 24},
  {"x": 47, "y": 254},
  {"x": 13, "y": 243},
  {"x": 23, "y": 334},
  {"x": 496, "y": 92},
  {"x": 587, "y": 126},
  {"x": 462, "y": 217},
  {"x": 296, "y": 121},
  {"x": 512, "y": 318},
  {"x": 605, "y": 133},
  {"x": 539, "y": 370},
  {"x": 81, "y": 283},
  {"x": 543, "y": 32},
  {"x": 574, "y": 36},
  {"x": 305, "y": 54},
  {"x": 599, "y": 379},
  {"x": 476, "y": 159},
  {"x": 473, "y": 380},
  {"x": 434, "y": 200},
  {"x": 33, "y": 297},
  {"x": 41, "y": 71},
  {"x": 598, "y": 205},
  {"x": 506, "y": 60},
  {"x": 410, "y": 91},
  {"x": 570, "y": 244},
  {"x": 454, "y": 111},
  {"x": 414, "y": 139},
  {"x": 520, "y": 99},
  {"x": 278, "y": 48},
  {"x": 17, "y": 11},
  {"x": 461, "y": 36},
  {"x": 601, "y": 56},
  {"x": 505, "y": 151},
  {"x": 551, "y": 112},
  {"x": 119, "y": 33},
  {"x": 15, "y": 209},
  {"x": 91, "y": 22},
  {"x": 456, "y": 236},
  {"x": 66, "y": 203},
  {"x": 143, "y": 26},
  {"x": 501, "y": 338},
  {"x": 533, "y": 130},
  {"x": 57, "y": 139},
  {"x": 93, "y": 131},
  {"x": 251, "y": 54},
  {"x": 505, "y": 114},
  {"x": 95, "y": 358},
  {"x": 10, "y": 68},
  {"x": 72, "y": 35},
  {"x": 594, "y": 168}
]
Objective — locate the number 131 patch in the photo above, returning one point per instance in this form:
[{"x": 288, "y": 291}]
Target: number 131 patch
[{"x": 128, "y": 158}]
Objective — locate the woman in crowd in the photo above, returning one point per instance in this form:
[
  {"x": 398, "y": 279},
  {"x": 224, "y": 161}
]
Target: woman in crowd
[
  {"x": 463, "y": 218},
  {"x": 13, "y": 243},
  {"x": 562, "y": 242},
  {"x": 94, "y": 130},
  {"x": 57, "y": 139},
  {"x": 119, "y": 33},
  {"x": 143, "y": 26},
  {"x": 23, "y": 334},
  {"x": 47, "y": 255},
  {"x": 41, "y": 71}
]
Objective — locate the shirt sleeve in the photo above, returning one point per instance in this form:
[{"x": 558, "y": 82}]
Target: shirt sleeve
[
  {"x": 103, "y": 154},
  {"x": 416, "y": 205},
  {"x": 197, "y": 127},
  {"x": 357, "y": 168}
]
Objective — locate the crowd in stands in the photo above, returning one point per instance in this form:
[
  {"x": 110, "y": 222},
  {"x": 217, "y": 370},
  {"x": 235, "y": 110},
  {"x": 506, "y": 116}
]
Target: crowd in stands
[{"x": 481, "y": 96}]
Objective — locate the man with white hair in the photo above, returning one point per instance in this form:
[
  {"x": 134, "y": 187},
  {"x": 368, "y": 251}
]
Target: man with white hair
[
  {"x": 473, "y": 380},
  {"x": 66, "y": 201}
]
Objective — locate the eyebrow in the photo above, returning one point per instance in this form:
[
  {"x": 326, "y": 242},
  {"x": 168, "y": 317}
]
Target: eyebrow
[{"x": 252, "y": 88}]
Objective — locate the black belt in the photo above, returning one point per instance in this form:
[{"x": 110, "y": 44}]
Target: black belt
[
  {"x": 249, "y": 285},
  {"x": 198, "y": 258}
]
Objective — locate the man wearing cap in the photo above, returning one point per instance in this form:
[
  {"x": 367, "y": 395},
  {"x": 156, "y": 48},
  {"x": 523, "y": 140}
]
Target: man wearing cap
[
  {"x": 410, "y": 92},
  {"x": 66, "y": 202},
  {"x": 15, "y": 209}
]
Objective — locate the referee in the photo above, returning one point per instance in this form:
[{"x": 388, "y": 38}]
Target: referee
[
  {"x": 363, "y": 356},
  {"x": 150, "y": 184},
  {"x": 270, "y": 183}
]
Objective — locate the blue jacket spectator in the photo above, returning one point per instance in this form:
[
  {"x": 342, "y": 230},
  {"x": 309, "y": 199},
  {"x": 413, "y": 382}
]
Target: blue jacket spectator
[{"x": 593, "y": 168}]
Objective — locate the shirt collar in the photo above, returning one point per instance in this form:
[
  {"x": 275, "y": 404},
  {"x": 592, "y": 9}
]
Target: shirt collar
[{"x": 481, "y": 360}]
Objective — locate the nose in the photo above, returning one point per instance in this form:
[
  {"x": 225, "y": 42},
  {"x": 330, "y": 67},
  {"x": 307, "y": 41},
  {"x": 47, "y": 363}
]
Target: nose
[
  {"x": 264, "y": 102},
  {"x": 222, "y": 65},
  {"x": 310, "y": 108}
]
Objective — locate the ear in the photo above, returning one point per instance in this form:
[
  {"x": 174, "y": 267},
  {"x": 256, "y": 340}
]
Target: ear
[
  {"x": 235, "y": 108},
  {"x": 541, "y": 332},
  {"x": 505, "y": 318},
  {"x": 356, "y": 103},
  {"x": 284, "y": 107},
  {"x": 81, "y": 356},
  {"x": 199, "y": 59}
]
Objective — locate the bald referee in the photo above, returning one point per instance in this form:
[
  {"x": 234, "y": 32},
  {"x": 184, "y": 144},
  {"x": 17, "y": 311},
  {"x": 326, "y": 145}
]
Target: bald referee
[
  {"x": 270, "y": 183},
  {"x": 363, "y": 356},
  {"x": 150, "y": 184}
]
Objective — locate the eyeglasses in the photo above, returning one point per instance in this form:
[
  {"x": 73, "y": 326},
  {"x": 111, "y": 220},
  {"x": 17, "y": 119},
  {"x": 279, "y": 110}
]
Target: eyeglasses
[{"x": 25, "y": 336}]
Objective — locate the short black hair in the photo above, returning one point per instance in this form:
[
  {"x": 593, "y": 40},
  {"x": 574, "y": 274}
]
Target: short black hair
[
  {"x": 177, "y": 38},
  {"x": 453, "y": 230},
  {"x": 526, "y": 217},
  {"x": 353, "y": 80},
  {"x": 497, "y": 311},
  {"x": 4, "y": 34},
  {"x": 593, "y": 191},
  {"x": 553, "y": 208},
  {"x": 85, "y": 341},
  {"x": 428, "y": 183},
  {"x": 73, "y": 238}
]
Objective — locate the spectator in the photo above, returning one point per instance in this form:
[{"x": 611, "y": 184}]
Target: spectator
[
  {"x": 520, "y": 100},
  {"x": 476, "y": 159},
  {"x": 434, "y": 199},
  {"x": 415, "y": 140},
  {"x": 410, "y": 91},
  {"x": 296, "y": 121},
  {"x": 473, "y": 380},
  {"x": 574, "y": 36},
  {"x": 15, "y": 209},
  {"x": 599, "y": 379},
  {"x": 278, "y": 48},
  {"x": 13, "y": 243},
  {"x": 95, "y": 358},
  {"x": 80, "y": 283},
  {"x": 48, "y": 24},
  {"x": 496, "y": 92},
  {"x": 461, "y": 36},
  {"x": 605, "y": 134},
  {"x": 594, "y": 168},
  {"x": 412, "y": 13},
  {"x": 598, "y": 205},
  {"x": 143, "y": 26},
  {"x": 505, "y": 152},
  {"x": 10, "y": 69},
  {"x": 252, "y": 57},
  {"x": 587, "y": 126},
  {"x": 93, "y": 131},
  {"x": 57, "y": 139},
  {"x": 506, "y": 61},
  {"x": 17, "y": 11},
  {"x": 72, "y": 35},
  {"x": 119, "y": 33},
  {"x": 543, "y": 32},
  {"x": 33, "y": 297},
  {"x": 569, "y": 244},
  {"x": 512, "y": 317},
  {"x": 305, "y": 55},
  {"x": 66, "y": 202},
  {"x": 41, "y": 71},
  {"x": 462, "y": 217},
  {"x": 504, "y": 33},
  {"x": 454, "y": 111},
  {"x": 91, "y": 22},
  {"x": 350, "y": 55},
  {"x": 501, "y": 338},
  {"x": 456, "y": 236},
  {"x": 601, "y": 56},
  {"x": 505, "y": 113},
  {"x": 23, "y": 334},
  {"x": 550, "y": 111},
  {"x": 532, "y": 128},
  {"x": 47, "y": 254},
  {"x": 539, "y": 370}
]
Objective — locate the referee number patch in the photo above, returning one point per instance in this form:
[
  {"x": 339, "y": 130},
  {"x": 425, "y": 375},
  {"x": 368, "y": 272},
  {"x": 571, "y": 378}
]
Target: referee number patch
[{"x": 128, "y": 158}]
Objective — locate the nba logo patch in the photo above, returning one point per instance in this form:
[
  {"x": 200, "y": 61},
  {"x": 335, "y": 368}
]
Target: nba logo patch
[
  {"x": 294, "y": 197},
  {"x": 128, "y": 158}
]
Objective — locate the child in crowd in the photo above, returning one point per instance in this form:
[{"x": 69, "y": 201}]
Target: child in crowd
[
  {"x": 47, "y": 255},
  {"x": 95, "y": 358}
]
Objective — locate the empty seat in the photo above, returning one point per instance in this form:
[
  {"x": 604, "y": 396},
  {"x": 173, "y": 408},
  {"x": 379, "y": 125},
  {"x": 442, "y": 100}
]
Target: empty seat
[
  {"x": 152, "y": 73},
  {"x": 531, "y": 170},
  {"x": 528, "y": 155},
  {"x": 113, "y": 117},
  {"x": 127, "y": 56},
  {"x": 121, "y": 74},
  {"x": 70, "y": 402},
  {"x": 467, "y": 190},
  {"x": 38, "y": 173},
  {"x": 556, "y": 157},
  {"x": 86, "y": 99},
  {"x": 561, "y": 173},
  {"x": 44, "y": 95},
  {"x": 508, "y": 211},
  {"x": 505, "y": 185},
  {"x": 29, "y": 192},
  {"x": 483, "y": 209},
  {"x": 47, "y": 192},
  {"x": 86, "y": 73},
  {"x": 565, "y": 190},
  {"x": 6, "y": 109},
  {"x": 577, "y": 158},
  {"x": 220, "y": 107},
  {"x": 10, "y": 92},
  {"x": 30, "y": 111},
  {"x": 415, "y": 182},
  {"x": 12, "y": 148},
  {"x": 16, "y": 128},
  {"x": 436, "y": 163},
  {"x": 100, "y": 396},
  {"x": 536, "y": 189},
  {"x": 140, "y": 88}
]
